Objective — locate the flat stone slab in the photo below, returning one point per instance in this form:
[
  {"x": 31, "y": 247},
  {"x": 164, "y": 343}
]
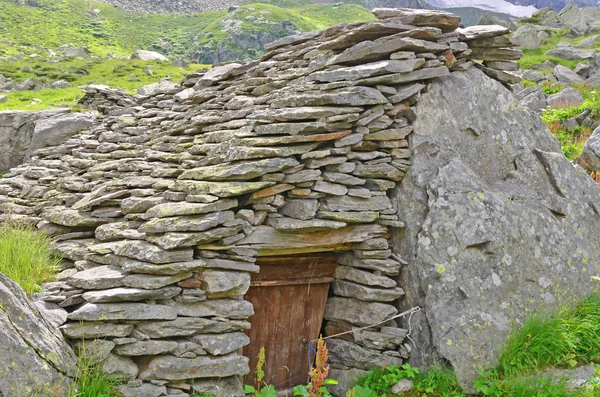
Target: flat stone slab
[
  {"x": 101, "y": 277},
  {"x": 175, "y": 368},
  {"x": 219, "y": 189},
  {"x": 357, "y": 312},
  {"x": 122, "y": 311},
  {"x": 93, "y": 330},
  {"x": 187, "y": 326},
  {"x": 482, "y": 32},
  {"x": 368, "y": 70},
  {"x": 240, "y": 171},
  {"x": 376, "y": 50},
  {"x": 143, "y": 251},
  {"x": 130, "y": 294},
  {"x": 446, "y": 21}
]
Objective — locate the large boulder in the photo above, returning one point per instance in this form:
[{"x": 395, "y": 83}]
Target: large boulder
[
  {"x": 161, "y": 87},
  {"x": 565, "y": 75},
  {"x": 590, "y": 157},
  {"x": 566, "y": 98},
  {"x": 498, "y": 222},
  {"x": 149, "y": 56},
  {"x": 572, "y": 53},
  {"x": 22, "y": 132},
  {"x": 34, "y": 358},
  {"x": 532, "y": 98},
  {"x": 49, "y": 131},
  {"x": 528, "y": 36},
  {"x": 582, "y": 19}
]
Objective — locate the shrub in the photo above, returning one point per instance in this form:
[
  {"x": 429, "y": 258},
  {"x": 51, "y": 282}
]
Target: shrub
[{"x": 26, "y": 257}]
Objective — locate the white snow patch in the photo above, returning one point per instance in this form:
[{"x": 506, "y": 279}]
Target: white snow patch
[{"x": 490, "y": 5}]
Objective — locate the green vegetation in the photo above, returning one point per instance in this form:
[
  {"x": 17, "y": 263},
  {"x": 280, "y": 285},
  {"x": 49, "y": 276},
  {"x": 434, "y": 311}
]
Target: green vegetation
[
  {"x": 572, "y": 141},
  {"x": 563, "y": 338},
  {"x": 112, "y": 33},
  {"x": 105, "y": 29},
  {"x": 91, "y": 382},
  {"x": 535, "y": 57},
  {"x": 126, "y": 74},
  {"x": 26, "y": 257}
]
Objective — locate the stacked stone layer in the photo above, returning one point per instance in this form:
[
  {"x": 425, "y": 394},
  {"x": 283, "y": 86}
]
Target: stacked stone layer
[{"x": 161, "y": 209}]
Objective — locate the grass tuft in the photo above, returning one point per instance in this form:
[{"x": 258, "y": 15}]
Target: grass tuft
[
  {"x": 566, "y": 338},
  {"x": 26, "y": 257},
  {"x": 90, "y": 381}
]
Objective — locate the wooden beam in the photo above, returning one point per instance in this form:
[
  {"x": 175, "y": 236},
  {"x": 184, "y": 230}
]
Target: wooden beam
[{"x": 268, "y": 241}]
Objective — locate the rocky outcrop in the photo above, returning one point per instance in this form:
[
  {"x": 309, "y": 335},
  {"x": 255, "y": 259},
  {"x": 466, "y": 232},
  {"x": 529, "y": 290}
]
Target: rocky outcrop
[
  {"x": 34, "y": 358},
  {"x": 557, "y": 5},
  {"x": 173, "y": 7},
  {"x": 493, "y": 232},
  {"x": 21, "y": 133}
]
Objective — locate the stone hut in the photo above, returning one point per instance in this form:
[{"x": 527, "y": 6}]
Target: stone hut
[{"x": 265, "y": 203}]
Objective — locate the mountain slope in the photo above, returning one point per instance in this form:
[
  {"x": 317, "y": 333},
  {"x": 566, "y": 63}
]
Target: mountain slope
[
  {"x": 555, "y": 4},
  {"x": 208, "y": 37}
]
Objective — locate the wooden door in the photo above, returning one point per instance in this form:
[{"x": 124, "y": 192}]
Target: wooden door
[{"x": 289, "y": 296}]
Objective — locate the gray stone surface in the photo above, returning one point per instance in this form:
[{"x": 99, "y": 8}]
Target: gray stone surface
[
  {"x": 148, "y": 56},
  {"x": 349, "y": 354},
  {"x": 532, "y": 98},
  {"x": 571, "y": 53},
  {"x": 357, "y": 312},
  {"x": 566, "y": 98},
  {"x": 122, "y": 311},
  {"x": 23, "y": 132},
  {"x": 33, "y": 355},
  {"x": 590, "y": 157},
  {"x": 566, "y": 75},
  {"x": 175, "y": 368},
  {"x": 449, "y": 195}
]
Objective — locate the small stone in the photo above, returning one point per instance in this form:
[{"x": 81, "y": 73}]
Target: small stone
[
  {"x": 147, "y": 348},
  {"x": 223, "y": 284},
  {"x": 402, "y": 386},
  {"x": 330, "y": 188},
  {"x": 119, "y": 368},
  {"x": 219, "y": 345},
  {"x": 101, "y": 277},
  {"x": 300, "y": 208}
]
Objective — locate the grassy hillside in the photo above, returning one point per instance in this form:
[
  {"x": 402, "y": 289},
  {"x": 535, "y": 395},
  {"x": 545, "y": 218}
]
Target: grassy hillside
[
  {"x": 105, "y": 29},
  {"x": 112, "y": 34}
]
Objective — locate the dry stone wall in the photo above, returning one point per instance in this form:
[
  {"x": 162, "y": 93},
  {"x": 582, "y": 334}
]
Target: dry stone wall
[{"x": 161, "y": 209}]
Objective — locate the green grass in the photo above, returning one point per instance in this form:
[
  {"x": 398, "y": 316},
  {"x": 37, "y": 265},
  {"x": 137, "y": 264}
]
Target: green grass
[
  {"x": 565, "y": 338},
  {"x": 105, "y": 29},
  {"x": 572, "y": 142},
  {"x": 90, "y": 381},
  {"x": 112, "y": 34},
  {"x": 26, "y": 257},
  {"x": 561, "y": 338},
  {"x": 111, "y": 72},
  {"x": 535, "y": 57}
]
